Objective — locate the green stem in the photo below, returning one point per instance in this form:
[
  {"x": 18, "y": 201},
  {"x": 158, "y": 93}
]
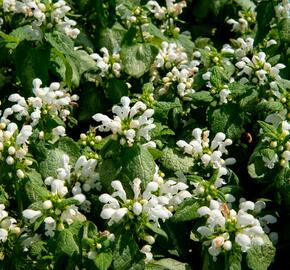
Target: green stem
[{"x": 18, "y": 196}]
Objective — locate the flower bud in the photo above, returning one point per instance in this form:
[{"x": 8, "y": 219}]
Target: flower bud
[
  {"x": 227, "y": 245},
  {"x": 47, "y": 204},
  {"x": 20, "y": 174}
]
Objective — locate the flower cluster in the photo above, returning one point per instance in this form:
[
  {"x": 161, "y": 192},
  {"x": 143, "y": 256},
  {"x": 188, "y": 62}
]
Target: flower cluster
[
  {"x": 53, "y": 214},
  {"x": 179, "y": 70},
  {"x": 44, "y": 13},
  {"x": 59, "y": 208},
  {"x": 109, "y": 65},
  {"x": 245, "y": 22},
  {"x": 258, "y": 70},
  {"x": 82, "y": 177},
  {"x": 157, "y": 201},
  {"x": 225, "y": 227},
  {"x": 221, "y": 90},
  {"x": 209, "y": 154},
  {"x": 48, "y": 101},
  {"x": 14, "y": 145},
  {"x": 167, "y": 14},
  {"x": 7, "y": 224},
  {"x": 129, "y": 124},
  {"x": 278, "y": 142}
]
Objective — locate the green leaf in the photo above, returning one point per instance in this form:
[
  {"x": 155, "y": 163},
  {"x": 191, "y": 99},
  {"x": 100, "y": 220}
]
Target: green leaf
[
  {"x": 175, "y": 161},
  {"x": 70, "y": 147},
  {"x": 284, "y": 29},
  {"x": 4, "y": 197},
  {"x": 137, "y": 162},
  {"x": 125, "y": 251},
  {"x": 103, "y": 260},
  {"x": 186, "y": 211},
  {"x": 186, "y": 43},
  {"x": 51, "y": 163},
  {"x": 72, "y": 75},
  {"x": 167, "y": 264},
  {"x": 108, "y": 173},
  {"x": 137, "y": 59},
  {"x": 116, "y": 89},
  {"x": 61, "y": 42},
  {"x": 30, "y": 63},
  {"x": 66, "y": 243},
  {"x": 260, "y": 257},
  {"x": 92, "y": 100},
  {"x": 158, "y": 36},
  {"x": 234, "y": 259},
  {"x": 162, "y": 108},
  {"x": 111, "y": 38},
  {"x": 218, "y": 76},
  {"x": 202, "y": 97},
  {"x": 250, "y": 100},
  {"x": 265, "y": 12},
  {"x": 226, "y": 119},
  {"x": 269, "y": 130},
  {"x": 84, "y": 61},
  {"x": 157, "y": 230},
  {"x": 160, "y": 130},
  {"x": 269, "y": 106},
  {"x": 34, "y": 187}
]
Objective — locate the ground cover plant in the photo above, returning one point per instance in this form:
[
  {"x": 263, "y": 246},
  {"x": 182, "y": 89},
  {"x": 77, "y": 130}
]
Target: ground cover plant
[{"x": 144, "y": 134}]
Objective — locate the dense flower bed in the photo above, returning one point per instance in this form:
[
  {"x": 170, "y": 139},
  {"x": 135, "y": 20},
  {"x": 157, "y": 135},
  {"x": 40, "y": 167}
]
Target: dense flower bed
[{"x": 144, "y": 134}]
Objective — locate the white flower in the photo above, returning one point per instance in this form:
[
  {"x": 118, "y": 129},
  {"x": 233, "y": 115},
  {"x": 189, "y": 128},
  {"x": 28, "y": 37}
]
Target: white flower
[
  {"x": 20, "y": 174},
  {"x": 58, "y": 188},
  {"x": 59, "y": 131},
  {"x": 24, "y": 134},
  {"x": 227, "y": 245},
  {"x": 47, "y": 204},
  {"x": 244, "y": 241},
  {"x": 147, "y": 251},
  {"x": 247, "y": 205},
  {"x": 31, "y": 215},
  {"x": 3, "y": 235},
  {"x": 50, "y": 226},
  {"x": 3, "y": 213},
  {"x": 137, "y": 208},
  {"x": 270, "y": 163},
  {"x": 80, "y": 197}
]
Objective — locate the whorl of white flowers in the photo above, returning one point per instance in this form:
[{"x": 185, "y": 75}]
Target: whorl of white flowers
[
  {"x": 245, "y": 229},
  {"x": 44, "y": 13},
  {"x": 82, "y": 177},
  {"x": 14, "y": 143},
  {"x": 222, "y": 90},
  {"x": 170, "y": 55},
  {"x": 52, "y": 209},
  {"x": 242, "y": 24},
  {"x": 209, "y": 154},
  {"x": 245, "y": 46},
  {"x": 180, "y": 70},
  {"x": 68, "y": 214},
  {"x": 283, "y": 10},
  {"x": 130, "y": 124},
  {"x": 258, "y": 69},
  {"x": 108, "y": 64},
  {"x": 7, "y": 224},
  {"x": 52, "y": 100},
  {"x": 157, "y": 201},
  {"x": 172, "y": 9},
  {"x": 281, "y": 146}
]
